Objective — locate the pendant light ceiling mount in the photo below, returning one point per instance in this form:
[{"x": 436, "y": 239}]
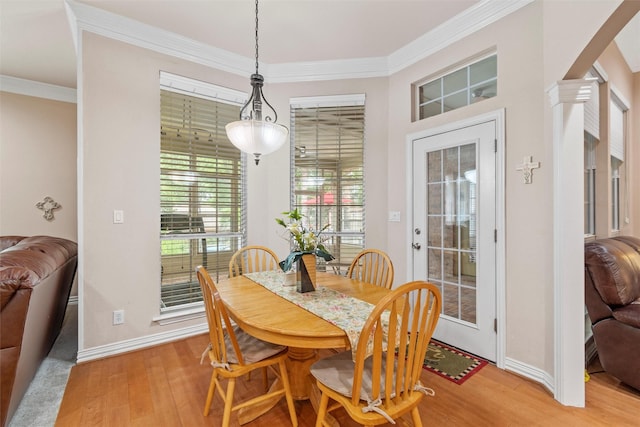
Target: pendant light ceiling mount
[{"x": 256, "y": 133}]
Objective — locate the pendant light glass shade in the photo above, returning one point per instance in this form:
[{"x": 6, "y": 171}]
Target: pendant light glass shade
[
  {"x": 256, "y": 137},
  {"x": 252, "y": 134}
]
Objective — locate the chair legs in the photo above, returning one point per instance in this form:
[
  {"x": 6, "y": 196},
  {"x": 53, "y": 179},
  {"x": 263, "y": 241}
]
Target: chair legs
[
  {"x": 287, "y": 388},
  {"x": 322, "y": 410},
  {"x": 212, "y": 389},
  {"x": 228, "y": 394},
  {"x": 415, "y": 416},
  {"x": 228, "y": 402}
]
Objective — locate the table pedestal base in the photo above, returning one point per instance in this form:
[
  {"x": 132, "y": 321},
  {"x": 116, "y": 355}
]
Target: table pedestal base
[
  {"x": 303, "y": 385},
  {"x": 298, "y": 365}
]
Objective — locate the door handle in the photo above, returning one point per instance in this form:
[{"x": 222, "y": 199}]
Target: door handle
[{"x": 416, "y": 246}]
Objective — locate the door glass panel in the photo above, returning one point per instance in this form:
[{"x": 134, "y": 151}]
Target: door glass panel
[
  {"x": 450, "y": 266},
  {"x": 435, "y": 264},
  {"x": 468, "y": 309},
  {"x": 451, "y": 219},
  {"x": 435, "y": 199},
  {"x": 434, "y": 166},
  {"x": 434, "y": 237},
  {"x": 450, "y": 301}
]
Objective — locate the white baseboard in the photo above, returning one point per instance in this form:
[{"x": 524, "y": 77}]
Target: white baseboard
[
  {"x": 103, "y": 351},
  {"x": 530, "y": 372}
]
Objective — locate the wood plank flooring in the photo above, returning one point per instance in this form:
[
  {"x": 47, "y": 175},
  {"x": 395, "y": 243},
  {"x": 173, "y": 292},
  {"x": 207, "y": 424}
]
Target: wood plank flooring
[{"x": 167, "y": 386}]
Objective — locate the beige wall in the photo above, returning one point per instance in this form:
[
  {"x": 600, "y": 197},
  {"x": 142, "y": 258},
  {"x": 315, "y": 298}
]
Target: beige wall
[{"x": 37, "y": 159}]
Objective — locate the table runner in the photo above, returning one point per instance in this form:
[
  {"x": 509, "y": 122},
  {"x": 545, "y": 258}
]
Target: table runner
[{"x": 344, "y": 311}]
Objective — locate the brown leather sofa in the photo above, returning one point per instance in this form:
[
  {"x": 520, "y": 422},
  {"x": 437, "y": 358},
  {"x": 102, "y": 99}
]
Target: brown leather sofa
[
  {"x": 36, "y": 274},
  {"x": 612, "y": 296}
]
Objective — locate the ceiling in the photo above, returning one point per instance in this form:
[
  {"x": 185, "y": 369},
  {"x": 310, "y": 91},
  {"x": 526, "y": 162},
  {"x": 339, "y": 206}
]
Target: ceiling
[{"x": 36, "y": 41}]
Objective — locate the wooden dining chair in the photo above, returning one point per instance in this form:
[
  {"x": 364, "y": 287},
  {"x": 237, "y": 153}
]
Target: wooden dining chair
[
  {"x": 251, "y": 259},
  {"x": 234, "y": 353},
  {"x": 381, "y": 386},
  {"x": 372, "y": 266}
]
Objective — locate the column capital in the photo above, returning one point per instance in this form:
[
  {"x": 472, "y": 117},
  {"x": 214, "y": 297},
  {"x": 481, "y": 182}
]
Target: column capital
[{"x": 570, "y": 91}]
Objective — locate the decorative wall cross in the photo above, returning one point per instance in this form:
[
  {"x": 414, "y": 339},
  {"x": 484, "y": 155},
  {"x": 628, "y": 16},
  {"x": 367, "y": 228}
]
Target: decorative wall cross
[
  {"x": 527, "y": 168},
  {"x": 47, "y": 206}
]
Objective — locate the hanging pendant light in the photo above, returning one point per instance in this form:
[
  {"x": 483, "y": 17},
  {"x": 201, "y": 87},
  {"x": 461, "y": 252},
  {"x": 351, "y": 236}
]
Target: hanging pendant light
[{"x": 256, "y": 133}]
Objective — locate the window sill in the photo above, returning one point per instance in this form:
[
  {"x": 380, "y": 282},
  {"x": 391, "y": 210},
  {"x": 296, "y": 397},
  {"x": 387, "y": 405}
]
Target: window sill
[{"x": 180, "y": 315}]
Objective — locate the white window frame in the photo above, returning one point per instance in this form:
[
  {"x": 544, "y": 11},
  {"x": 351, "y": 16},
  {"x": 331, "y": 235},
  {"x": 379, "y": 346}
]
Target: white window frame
[
  {"x": 207, "y": 91},
  {"x": 473, "y": 92},
  {"x": 334, "y": 233}
]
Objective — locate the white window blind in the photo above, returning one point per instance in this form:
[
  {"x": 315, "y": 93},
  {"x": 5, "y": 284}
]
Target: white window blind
[
  {"x": 589, "y": 184},
  {"x": 202, "y": 193},
  {"x": 328, "y": 170},
  {"x": 616, "y": 138},
  {"x": 591, "y": 109}
]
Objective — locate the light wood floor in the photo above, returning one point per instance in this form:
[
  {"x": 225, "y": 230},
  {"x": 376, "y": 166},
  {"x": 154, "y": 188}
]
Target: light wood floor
[{"x": 166, "y": 386}]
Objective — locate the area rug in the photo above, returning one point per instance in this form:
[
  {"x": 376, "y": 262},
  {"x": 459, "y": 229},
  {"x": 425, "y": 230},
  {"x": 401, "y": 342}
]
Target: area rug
[{"x": 451, "y": 363}]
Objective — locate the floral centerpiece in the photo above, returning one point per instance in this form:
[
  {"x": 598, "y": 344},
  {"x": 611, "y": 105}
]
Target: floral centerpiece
[{"x": 307, "y": 246}]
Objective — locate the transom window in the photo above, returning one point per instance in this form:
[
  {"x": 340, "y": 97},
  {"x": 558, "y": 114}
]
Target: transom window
[
  {"x": 459, "y": 88},
  {"x": 202, "y": 187},
  {"x": 327, "y": 171}
]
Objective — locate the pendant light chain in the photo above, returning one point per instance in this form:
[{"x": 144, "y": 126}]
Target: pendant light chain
[
  {"x": 256, "y": 132},
  {"x": 257, "y": 37}
]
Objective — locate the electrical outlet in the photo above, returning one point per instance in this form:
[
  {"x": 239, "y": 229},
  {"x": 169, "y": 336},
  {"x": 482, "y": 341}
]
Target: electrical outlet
[{"x": 118, "y": 317}]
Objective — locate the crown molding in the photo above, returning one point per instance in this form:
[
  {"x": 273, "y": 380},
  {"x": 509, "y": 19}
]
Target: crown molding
[
  {"x": 37, "y": 89},
  {"x": 110, "y": 25},
  {"x": 87, "y": 18},
  {"x": 460, "y": 26},
  {"x": 360, "y": 68}
]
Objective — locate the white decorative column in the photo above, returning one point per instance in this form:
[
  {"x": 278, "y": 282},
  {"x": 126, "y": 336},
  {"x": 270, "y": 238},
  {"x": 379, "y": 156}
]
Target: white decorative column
[{"x": 567, "y": 101}]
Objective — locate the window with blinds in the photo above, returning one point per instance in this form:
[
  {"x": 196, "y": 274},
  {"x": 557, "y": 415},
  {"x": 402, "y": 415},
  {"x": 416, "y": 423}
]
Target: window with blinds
[
  {"x": 617, "y": 127},
  {"x": 202, "y": 193},
  {"x": 327, "y": 171},
  {"x": 591, "y": 139},
  {"x": 617, "y": 136}
]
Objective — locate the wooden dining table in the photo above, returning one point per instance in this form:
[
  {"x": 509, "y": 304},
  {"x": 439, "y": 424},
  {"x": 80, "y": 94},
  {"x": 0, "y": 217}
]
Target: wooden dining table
[{"x": 267, "y": 316}]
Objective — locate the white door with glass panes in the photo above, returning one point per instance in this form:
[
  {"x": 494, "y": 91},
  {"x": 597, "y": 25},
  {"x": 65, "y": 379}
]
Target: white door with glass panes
[{"x": 454, "y": 221}]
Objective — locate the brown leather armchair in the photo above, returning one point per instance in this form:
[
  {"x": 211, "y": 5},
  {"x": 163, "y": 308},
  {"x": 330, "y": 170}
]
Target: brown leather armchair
[
  {"x": 612, "y": 296},
  {"x": 36, "y": 275}
]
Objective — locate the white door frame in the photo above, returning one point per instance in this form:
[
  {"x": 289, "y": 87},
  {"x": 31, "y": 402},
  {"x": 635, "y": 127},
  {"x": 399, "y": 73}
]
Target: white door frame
[{"x": 499, "y": 117}]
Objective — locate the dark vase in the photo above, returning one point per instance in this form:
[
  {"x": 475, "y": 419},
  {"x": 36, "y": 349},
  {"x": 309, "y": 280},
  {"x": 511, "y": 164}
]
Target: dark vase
[{"x": 306, "y": 273}]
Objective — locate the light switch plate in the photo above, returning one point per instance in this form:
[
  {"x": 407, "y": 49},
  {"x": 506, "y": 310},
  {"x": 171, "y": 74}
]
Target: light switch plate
[
  {"x": 118, "y": 217},
  {"x": 394, "y": 216}
]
